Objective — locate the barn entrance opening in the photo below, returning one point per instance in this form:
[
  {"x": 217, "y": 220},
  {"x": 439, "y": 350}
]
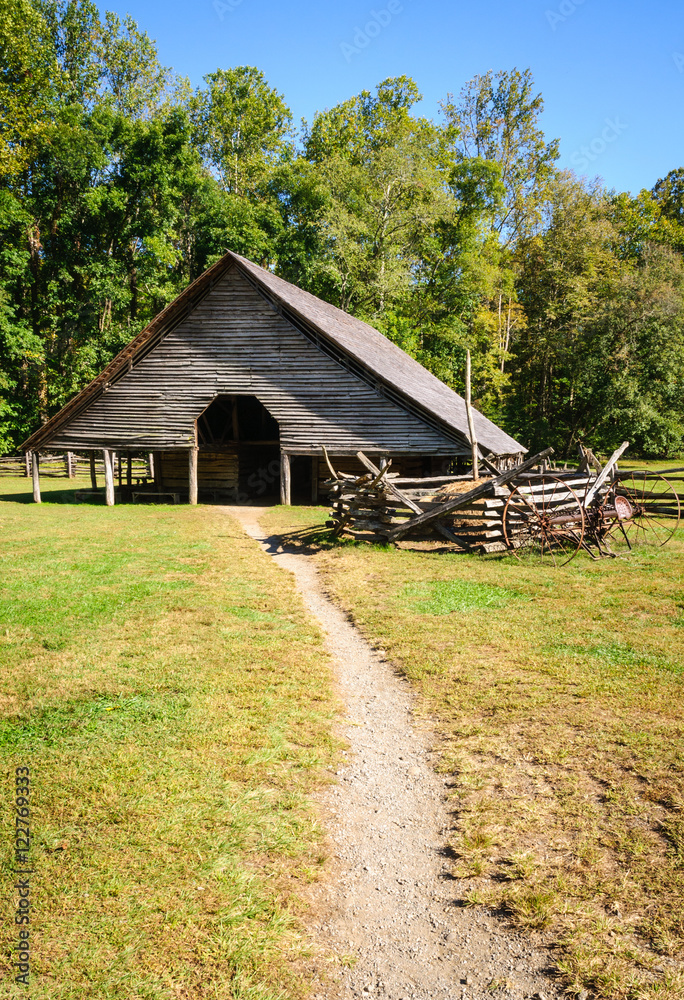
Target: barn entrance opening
[
  {"x": 239, "y": 450},
  {"x": 301, "y": 472}
]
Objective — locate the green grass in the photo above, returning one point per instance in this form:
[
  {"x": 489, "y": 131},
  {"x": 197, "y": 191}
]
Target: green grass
[
  {"x": 172, "y": 698},
  {"x": 445, "y": 597},
  {"x": 558, "y": 700}
]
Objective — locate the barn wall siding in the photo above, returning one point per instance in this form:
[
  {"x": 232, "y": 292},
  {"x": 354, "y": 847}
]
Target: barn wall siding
[{"x": 233, "y": 342}]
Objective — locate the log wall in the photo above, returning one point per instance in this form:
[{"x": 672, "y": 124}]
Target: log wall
[
  {"x": 214, "y": 470},
  {"x": 234, "y": 342}
]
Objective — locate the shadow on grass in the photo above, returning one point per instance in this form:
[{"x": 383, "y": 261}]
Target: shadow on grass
[
  {"x": 56, "y": 495},
  {"x": 309, "y": 540},
  {"x": 317, "y": 538}
]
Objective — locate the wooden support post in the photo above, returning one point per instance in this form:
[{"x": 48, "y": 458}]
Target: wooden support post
[
  {"x": 314, "y": 480},
  {"x": 158, "y": 481},
  {"x": 109, "y": 477},
  {"x": 192, "y": 474},
  {"x": 150, "y": 465},
  {"x": 129, "y": 469},
  {"x": 471, "y": 425},
  {"x": 70, "y": 465},
  {"x": 27, "y": 463},
  {"x": 35, "y": 468},
  {"x": 119, "y": 467},
  {"x": 285, "y": 481},
  {"x": 93, "y": 473},
  {"x": 235, "y": 420}
]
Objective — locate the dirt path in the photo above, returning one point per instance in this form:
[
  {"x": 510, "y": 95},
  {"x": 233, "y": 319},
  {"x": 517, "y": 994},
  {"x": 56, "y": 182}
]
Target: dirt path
[{"x": 392, "y": 907}]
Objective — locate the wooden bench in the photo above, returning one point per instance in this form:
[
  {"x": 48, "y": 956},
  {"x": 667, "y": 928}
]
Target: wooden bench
[
  {"x": 175, "y": 497},
  {"x": 81, "y": 495}
]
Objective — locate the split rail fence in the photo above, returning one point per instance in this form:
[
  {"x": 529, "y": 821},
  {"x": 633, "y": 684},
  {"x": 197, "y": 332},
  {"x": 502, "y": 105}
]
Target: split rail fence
[
  {"x": 384, "y": 506},
  {"x": 69, "y": 464}
]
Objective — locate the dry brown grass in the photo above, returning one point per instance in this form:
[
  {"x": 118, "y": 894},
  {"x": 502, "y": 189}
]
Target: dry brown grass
[{"x": 558, "y": 696}]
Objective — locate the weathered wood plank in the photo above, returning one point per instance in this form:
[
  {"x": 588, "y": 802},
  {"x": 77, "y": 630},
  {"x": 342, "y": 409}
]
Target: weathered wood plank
[
  {"x": 600, "y": 480},
  {"x": 464, "y": 499}
]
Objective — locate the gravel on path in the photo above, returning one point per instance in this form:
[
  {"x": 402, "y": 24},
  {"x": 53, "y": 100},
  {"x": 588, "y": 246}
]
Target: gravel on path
[{"x": 390, "y": 909}]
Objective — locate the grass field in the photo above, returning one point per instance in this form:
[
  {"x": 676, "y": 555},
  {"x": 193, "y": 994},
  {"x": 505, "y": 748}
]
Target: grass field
[
  {"x": 558, "y": 699},
  {"x": 162, "y": 681}
]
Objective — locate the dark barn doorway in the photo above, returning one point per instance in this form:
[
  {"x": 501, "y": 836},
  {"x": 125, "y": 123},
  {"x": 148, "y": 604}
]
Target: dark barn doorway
[
  {"x": 301, "y": 472},
  {"x": 240, "y": 427}
]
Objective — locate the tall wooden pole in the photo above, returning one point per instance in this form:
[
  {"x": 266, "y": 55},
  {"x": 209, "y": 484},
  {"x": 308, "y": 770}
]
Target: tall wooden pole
[
  {"x": 471, "y": 425},
  {"x": 27, "y": 463},
  {"x": 129, "y": 470},
  {"x": 285, "y": 483},
  {"x": 93, "y": 473},
  {"x": 109, "y": 477},
  {"x": 192, "y": 474},
  {"x": 35, "y": 463}
]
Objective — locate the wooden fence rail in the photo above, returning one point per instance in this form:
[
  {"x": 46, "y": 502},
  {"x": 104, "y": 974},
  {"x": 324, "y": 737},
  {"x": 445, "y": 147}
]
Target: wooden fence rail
[
  {"x": 375, "y": 505},
  {"x": 69, "y": 464}
]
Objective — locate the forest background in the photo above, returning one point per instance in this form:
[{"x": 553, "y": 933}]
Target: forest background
[{"x": 120, "y": 184}]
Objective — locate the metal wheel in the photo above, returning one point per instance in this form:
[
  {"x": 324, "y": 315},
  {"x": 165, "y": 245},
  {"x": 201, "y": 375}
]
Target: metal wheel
[
  {"x": 645, "y": 511},
  {"x": 544, "y": 522}
]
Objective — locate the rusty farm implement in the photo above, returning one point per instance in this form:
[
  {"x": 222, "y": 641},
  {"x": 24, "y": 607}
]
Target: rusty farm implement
[{"x": 538, "y": 515}]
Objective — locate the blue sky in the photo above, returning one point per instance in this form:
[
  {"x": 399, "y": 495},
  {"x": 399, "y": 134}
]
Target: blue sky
[{"x": 611, "y": 73}]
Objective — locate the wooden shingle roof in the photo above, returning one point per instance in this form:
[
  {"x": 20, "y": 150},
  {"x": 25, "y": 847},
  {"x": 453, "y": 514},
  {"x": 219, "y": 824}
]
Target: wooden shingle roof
[{"x": 394, "y": 372}]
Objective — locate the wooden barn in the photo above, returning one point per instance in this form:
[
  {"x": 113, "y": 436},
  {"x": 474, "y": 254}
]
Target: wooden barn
[{"x": 238, "y": 384}]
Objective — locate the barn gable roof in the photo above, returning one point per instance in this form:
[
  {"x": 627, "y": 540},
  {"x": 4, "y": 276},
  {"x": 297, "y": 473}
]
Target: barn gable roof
[{"x": 355, "y": 343}]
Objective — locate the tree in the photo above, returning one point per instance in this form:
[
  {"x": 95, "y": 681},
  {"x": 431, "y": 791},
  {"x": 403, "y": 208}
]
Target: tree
[
  {"x": 669, "y": 194},
  {"x": 386, "y": 175},
  {"x": 243, "y": 127},
  {"x": 89, "y": 211},
  {"x": 28, "y": 75},
  {"x": 497, "y": 118},
  {"x": 602, "y": 356}
]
